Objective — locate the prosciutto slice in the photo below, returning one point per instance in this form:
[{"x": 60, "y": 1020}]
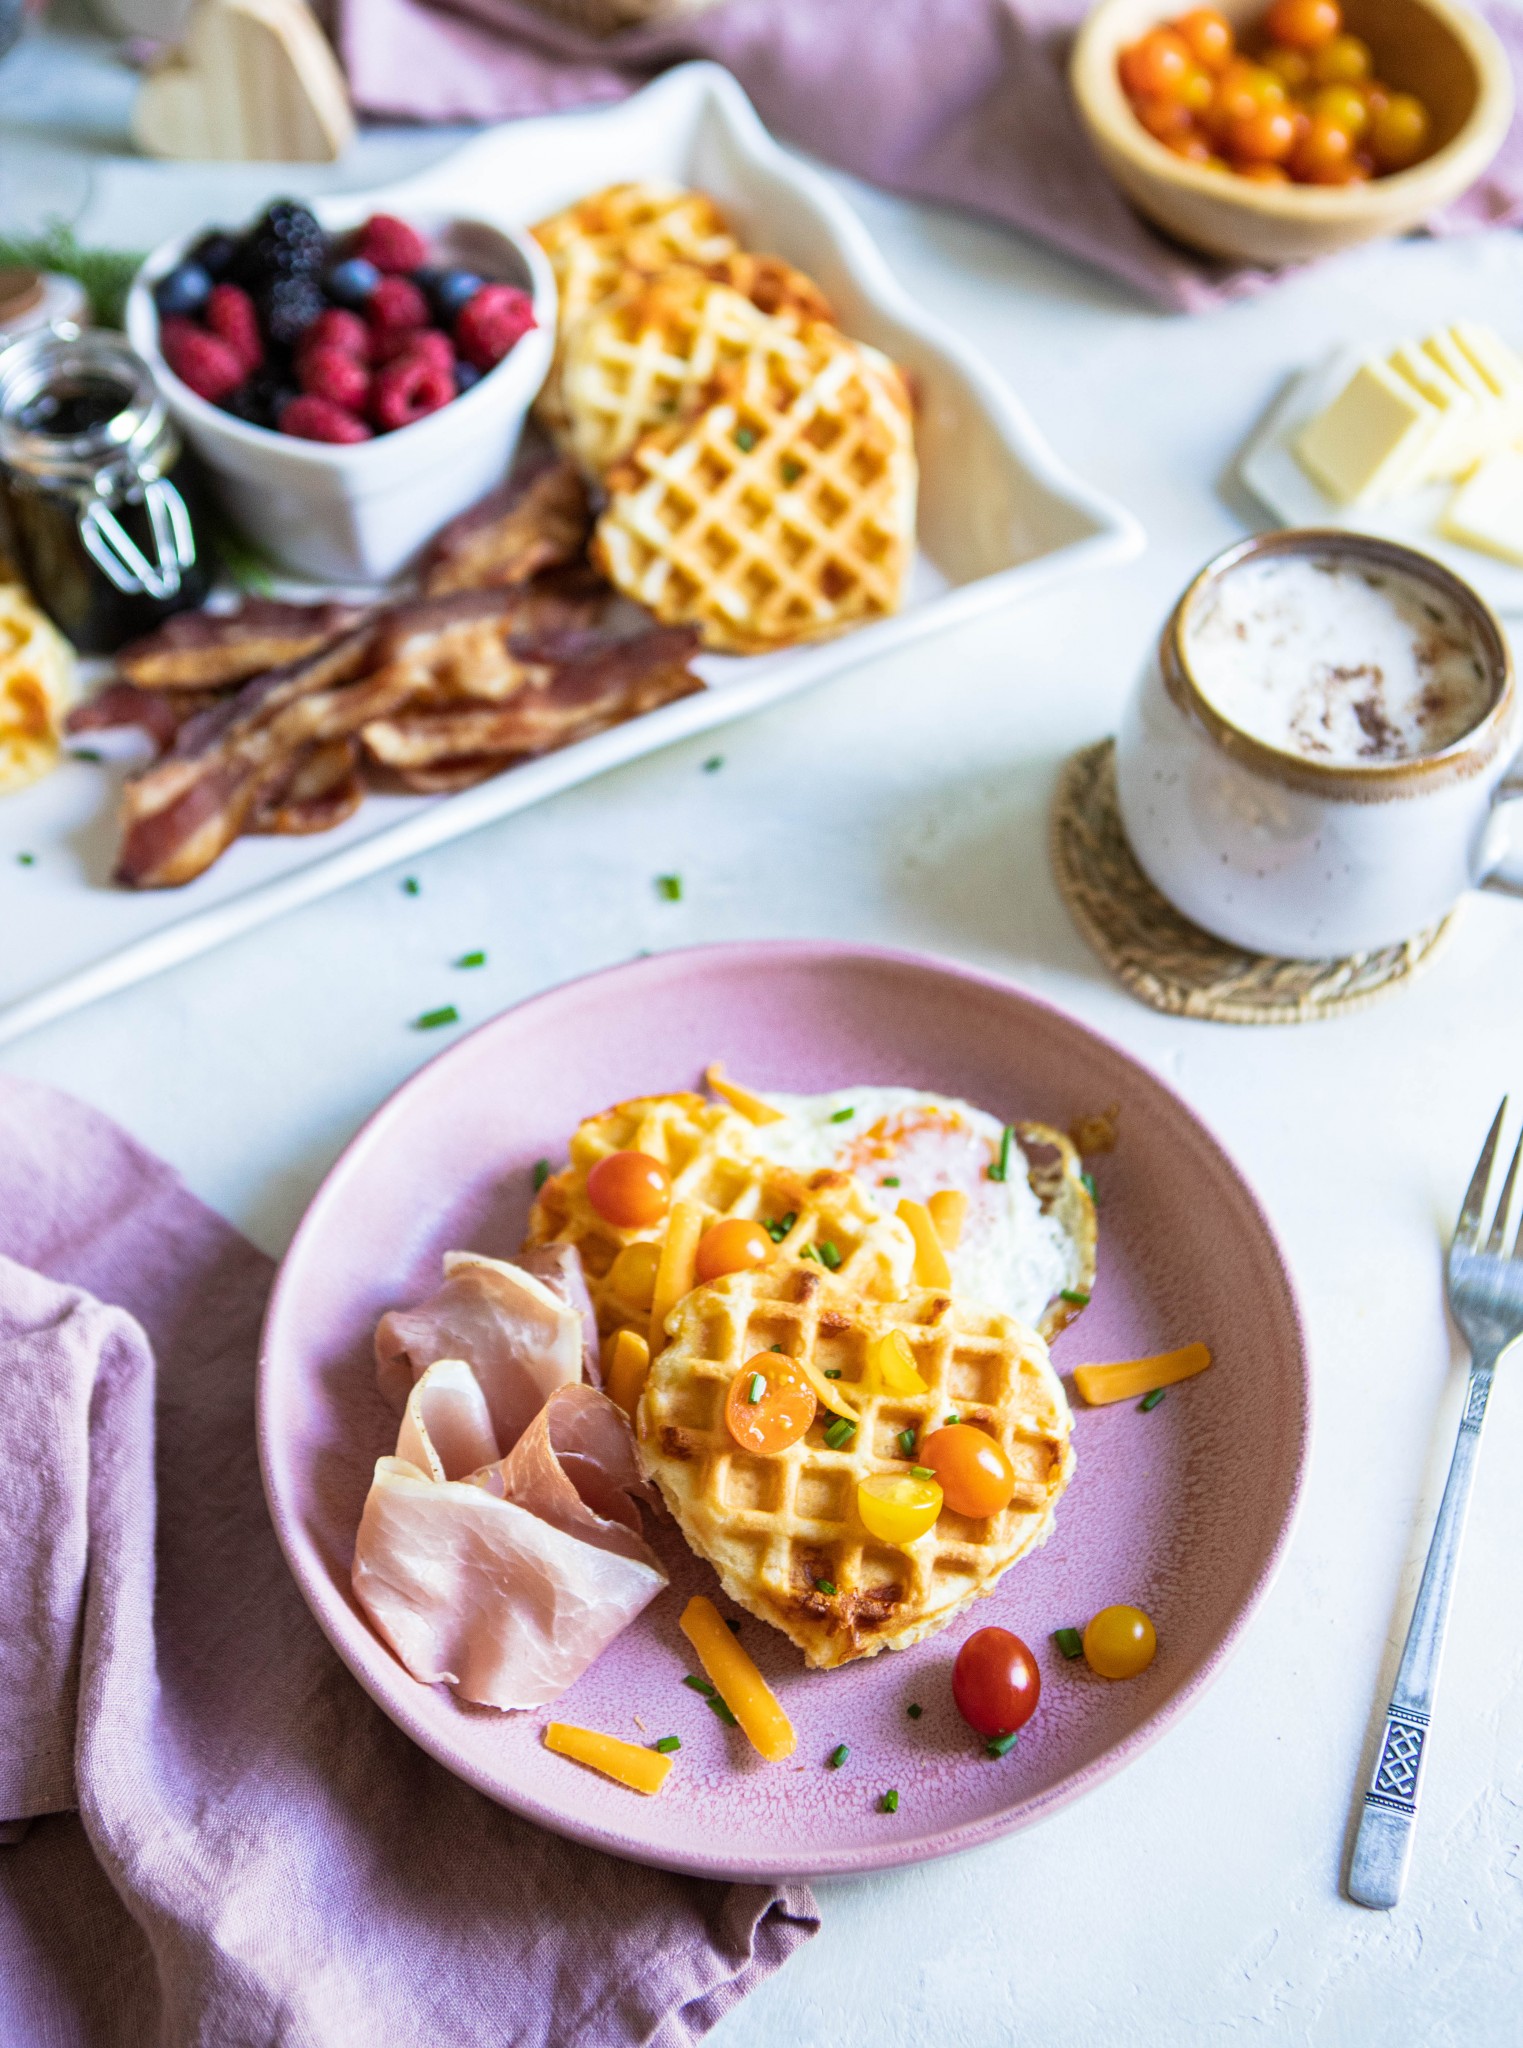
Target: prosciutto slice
[
  {"x": 520, "y": 1337},
  {"x": 506, "y": 1583}
]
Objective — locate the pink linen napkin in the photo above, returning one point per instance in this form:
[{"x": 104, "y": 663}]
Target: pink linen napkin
[
  {"x": 964, "y": 101},
  {"x": 211, "y": 1834}
]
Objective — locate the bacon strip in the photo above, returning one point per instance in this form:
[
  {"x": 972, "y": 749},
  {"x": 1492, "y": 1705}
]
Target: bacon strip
[
  {"x": 154, "y": 712},
  {"x": 209, "y": 650},
  {"x": 325, "y": 787},
  {"x": 537, "y": 520}
]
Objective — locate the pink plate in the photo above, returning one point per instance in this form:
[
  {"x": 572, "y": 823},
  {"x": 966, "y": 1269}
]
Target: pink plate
[{"x": 1184, "y": 1511}]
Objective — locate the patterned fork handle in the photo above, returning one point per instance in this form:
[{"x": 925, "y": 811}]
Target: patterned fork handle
[{"x": 1383, "y": 1845}]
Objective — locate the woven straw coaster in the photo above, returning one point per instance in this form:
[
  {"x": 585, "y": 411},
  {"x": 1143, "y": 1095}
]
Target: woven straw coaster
[{"x": 1172, "y": 964}]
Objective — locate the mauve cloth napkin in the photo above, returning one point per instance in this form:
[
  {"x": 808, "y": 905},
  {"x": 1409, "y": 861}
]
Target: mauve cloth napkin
[
  {"x": 964, "y": 101},
  {"x": 228, "y": 1844}
]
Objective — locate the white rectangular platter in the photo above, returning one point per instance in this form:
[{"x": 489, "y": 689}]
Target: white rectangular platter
[{"x": 1000, "y": 518}]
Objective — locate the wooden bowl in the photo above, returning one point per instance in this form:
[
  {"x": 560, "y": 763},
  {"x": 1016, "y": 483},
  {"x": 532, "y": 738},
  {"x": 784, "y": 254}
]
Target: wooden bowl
[{"x": 1437, "y": 49}]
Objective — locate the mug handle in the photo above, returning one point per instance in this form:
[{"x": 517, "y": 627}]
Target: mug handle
[{"x": 1504, "y": 877}]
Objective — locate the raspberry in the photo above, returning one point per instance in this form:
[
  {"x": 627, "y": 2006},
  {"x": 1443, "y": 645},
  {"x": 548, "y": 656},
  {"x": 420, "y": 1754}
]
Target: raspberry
[
  {"x": 338, "y": 329},
  {"x": 200, "y": 360},
  {"x": 397, "y": 302},
  {"x": 490, "y": 323},
  {"x": 407, "y": 389},
  {"x": 330, "y": 373},
  {"x": 231, "y": 317},
  {"x": 427, "y": 342},
  {"x": 311, "y": 418},
  {"x": 390, "y": 244}
]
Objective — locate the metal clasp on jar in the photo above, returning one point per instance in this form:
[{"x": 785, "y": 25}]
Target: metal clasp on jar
[{"x": 117, "y": 555}]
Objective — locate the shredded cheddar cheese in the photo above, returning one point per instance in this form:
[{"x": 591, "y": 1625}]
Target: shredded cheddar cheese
[
  {"x": 749, "y": 1105},
  {"x": 949, "y": 1212},
  {"x": 740, "y": 1685},
  {"x": 677, "y": 1273},
  {"x": 642, "y": 1770},
  {"x": 624, "y": 1377},
  {"x": 1124, "y": 1381},
  {"x": 931, "y": 1268}
]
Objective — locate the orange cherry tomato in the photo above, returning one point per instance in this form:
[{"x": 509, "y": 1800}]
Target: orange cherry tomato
[
  {"x": 1343, "y": 61},
  {"x": 1303, "y": 24},
  {"x": 770, "y": 1405},
  {"x": 1291, "y": 67},
  {"x": 1209, "y": 35},
  {"x": 1324, "y": 155},
  {"x": 1194, "y": 148},
  {"x": 1165, "y": 120},
  {"x": 1344, "y": 104},
  {"x": 734, "y": 1246},
  {"x": 1197, "y": 91},
  {"x": 1263, "y": 138},
  {"x": 1156, "y": 67},
  {"x": 1264, "y": 174},
  {"x": 1242, "y": 90},
  {"x": 976, "y": 1476},
  {"x": 630, "y": 1190},
  {"x": 1398, "y": 132}
]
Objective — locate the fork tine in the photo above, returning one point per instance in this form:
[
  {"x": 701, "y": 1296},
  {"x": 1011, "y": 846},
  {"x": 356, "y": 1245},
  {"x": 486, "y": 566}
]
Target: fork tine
[
  {"x": 1468, "y": 1228},
  {"x": 1499, "y": 1225}
]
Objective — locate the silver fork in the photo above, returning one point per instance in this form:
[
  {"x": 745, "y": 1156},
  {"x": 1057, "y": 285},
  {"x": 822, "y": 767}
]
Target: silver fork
[{"x": 1486, "y": 1300}]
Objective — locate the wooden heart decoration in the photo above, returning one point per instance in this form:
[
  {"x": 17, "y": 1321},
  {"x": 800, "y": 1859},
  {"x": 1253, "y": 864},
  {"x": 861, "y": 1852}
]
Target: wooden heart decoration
[{"x": 253, "y": 80}]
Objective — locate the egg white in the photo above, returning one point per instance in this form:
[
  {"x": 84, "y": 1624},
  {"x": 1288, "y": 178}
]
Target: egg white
[{"x": 1011, "y": 1256}]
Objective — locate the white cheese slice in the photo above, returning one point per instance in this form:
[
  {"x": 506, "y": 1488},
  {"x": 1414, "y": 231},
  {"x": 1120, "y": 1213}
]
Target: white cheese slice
[
  {"x": 1366, "y": 444},
  {"x": 1451, "y": 447},
  {"x": 1488, "y": 432},
  {"x": 1486, "y": 511},
  {"x": 1501, "y": 367}
]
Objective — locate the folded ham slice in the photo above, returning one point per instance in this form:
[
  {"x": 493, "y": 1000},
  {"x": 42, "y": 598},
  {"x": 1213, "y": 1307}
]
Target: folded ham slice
[
  {"x": 508, "y": 1583},
  {"x": 521, "y": 1337}
]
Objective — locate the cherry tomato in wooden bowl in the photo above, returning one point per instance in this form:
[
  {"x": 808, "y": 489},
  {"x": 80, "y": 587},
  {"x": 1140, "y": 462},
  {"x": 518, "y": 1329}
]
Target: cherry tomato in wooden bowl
[
  {"x": 630, "y": 1190},
  {"x": 995, "y": 1682}
]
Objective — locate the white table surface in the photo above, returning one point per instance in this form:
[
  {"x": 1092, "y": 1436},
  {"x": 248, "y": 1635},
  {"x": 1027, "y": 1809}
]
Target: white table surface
[{"x": 1196, "y": 1897}]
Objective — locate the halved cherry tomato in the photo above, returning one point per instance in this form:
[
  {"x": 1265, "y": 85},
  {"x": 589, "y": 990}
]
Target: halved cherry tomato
[
  {"x": 782, "y": 1410},
  {"x": 630, "y": 1190},
  {"x": 896, "y": 1507},
  {"x": 995, "y": 1682},
  {"x": 1304, "y": 24},
  {"x": 1119, "y": 1642},
  {"x": 976, "y": 1476},
  {"x": 733, "y": 1246}
]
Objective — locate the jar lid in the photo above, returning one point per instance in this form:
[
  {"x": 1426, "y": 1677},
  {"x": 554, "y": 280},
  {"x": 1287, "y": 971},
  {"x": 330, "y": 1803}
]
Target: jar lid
[{"x": 73, "y": 406}]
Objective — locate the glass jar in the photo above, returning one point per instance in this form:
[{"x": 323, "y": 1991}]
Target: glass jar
[{"x": 103, "y": 502}]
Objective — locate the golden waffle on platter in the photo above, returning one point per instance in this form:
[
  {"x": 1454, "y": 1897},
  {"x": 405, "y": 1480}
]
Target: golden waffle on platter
[
  {"x": 784, "y": 511},
  {"x": 647, "y": 357},
  {"x": 782, "y": 1530},
  {"x": 708, "y": 1151}
]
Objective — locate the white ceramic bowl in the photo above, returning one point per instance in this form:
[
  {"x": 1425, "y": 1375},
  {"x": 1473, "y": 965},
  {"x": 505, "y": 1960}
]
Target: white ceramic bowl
[{"x": 360, "y": 513}]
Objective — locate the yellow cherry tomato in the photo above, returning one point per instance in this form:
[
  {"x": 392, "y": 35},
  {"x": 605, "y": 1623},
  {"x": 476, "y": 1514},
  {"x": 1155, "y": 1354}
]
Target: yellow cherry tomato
[
  {"x": 1345, "y": 104},
  {"x": 1344, "y": 61},
  {"x": 1399, "y": 132},
  {"x": 733, "y": 1246},
  {"x": 897, "y": 1507},
  {"x": 976, "y": 1476},
  {"x": 630, "y": 1190},
  {"x": 1291, "y": 67},
  {"x": 1120, "y": 1642},
  {"x": 891, "y": 1367},
  {"x": 770, "y": 1405},
  {"x": 632, "y": 1276}
]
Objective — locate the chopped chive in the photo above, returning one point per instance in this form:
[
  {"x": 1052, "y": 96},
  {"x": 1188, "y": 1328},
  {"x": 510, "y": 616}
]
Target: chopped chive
[
  {"x": 952, "y": 1420},
  {"x": 921, "y": 1472},
  {"x": 713, "y": 764},
  {"x": 732, "y": 1625},
  {"x": 914, "y": 1710},
  {"x": 1151, "y": 1401},
  {"x": 1001, "y": 1745},
  {"x": 26, "y": 860},
  {"x": 668, "y": 1743},
  {"x": 827, "y": 1587},
  {"x": 837, "y": 1756},
  {"x": 828, "y": 1256},
  {"x": 779, "y": 1229},
  {"x": 722, "y": 1712},
  {"x": 1000, "y": 1170},
  {"x": 889, "y": 1803},
  {"x": 775, "y": 1347},
  {"x": 86, "y": 754},
  {"x": 907, "y": 1442},
  {"x": 839, "y": 1431},
  {"x": 432, "y": 1019},
  {"x": 757, "y": 1388},
  {"x": 1069, "y": 1641},
  {"x": 1089, "y": 1186},
  {"x": 889, "y": 1180},
  {"x": 669, "y": 888},
  {"x": 410, "y": 885},
  {"x": 745, "y": 439},
  {"x": 842, "y": 1116},
  {"x": 1076, "y": 1295},
  {"x": 472, "y": 960},
  {"x": 833, "y": 1372},
  {"x": 541, "y": 1173},
  {"x": 699, "y": 1685},
  {"x": 808, "y": 1252},
  {"x": 790, "y": 470}
]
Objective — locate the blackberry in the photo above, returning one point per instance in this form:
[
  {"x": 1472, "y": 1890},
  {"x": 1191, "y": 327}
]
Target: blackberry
[
  {"x": 287, "y": 308},
  {"x": 216, "y": 253},
  {"x": 259, "y": 399},
  {"x": 285, "y": 241}
]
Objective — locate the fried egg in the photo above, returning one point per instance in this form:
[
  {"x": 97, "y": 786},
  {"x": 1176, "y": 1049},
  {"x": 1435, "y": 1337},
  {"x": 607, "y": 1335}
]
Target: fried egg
[{"x": 1018, "y": 1251}]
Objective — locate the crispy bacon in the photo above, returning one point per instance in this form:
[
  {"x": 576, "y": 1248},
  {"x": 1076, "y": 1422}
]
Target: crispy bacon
[
  {"x": 537, "y": 520},
  {"x": 325, "y": 788},
  {"x": 210, "y": 650},
  {"x": 155, "y": 712}
]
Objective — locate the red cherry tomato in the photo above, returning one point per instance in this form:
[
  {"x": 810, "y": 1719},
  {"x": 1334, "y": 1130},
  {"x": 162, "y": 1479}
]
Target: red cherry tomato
[
  {"x": 630, "y": 1190},
  {"x": 995, "y": 1682}
]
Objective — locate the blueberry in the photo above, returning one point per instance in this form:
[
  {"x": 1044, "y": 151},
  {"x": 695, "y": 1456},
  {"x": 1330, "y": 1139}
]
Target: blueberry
[
  {"x": 216, "y": 253},
  {"x": 466, "y": 374},
  {"x": 350, "y": 283},
  {"x": 453, "y": 290},
  {"x": 182, "y": 291}
]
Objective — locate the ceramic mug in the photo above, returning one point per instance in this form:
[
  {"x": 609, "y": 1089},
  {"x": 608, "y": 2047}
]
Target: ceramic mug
[{"x": 1303, "y": 858}]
